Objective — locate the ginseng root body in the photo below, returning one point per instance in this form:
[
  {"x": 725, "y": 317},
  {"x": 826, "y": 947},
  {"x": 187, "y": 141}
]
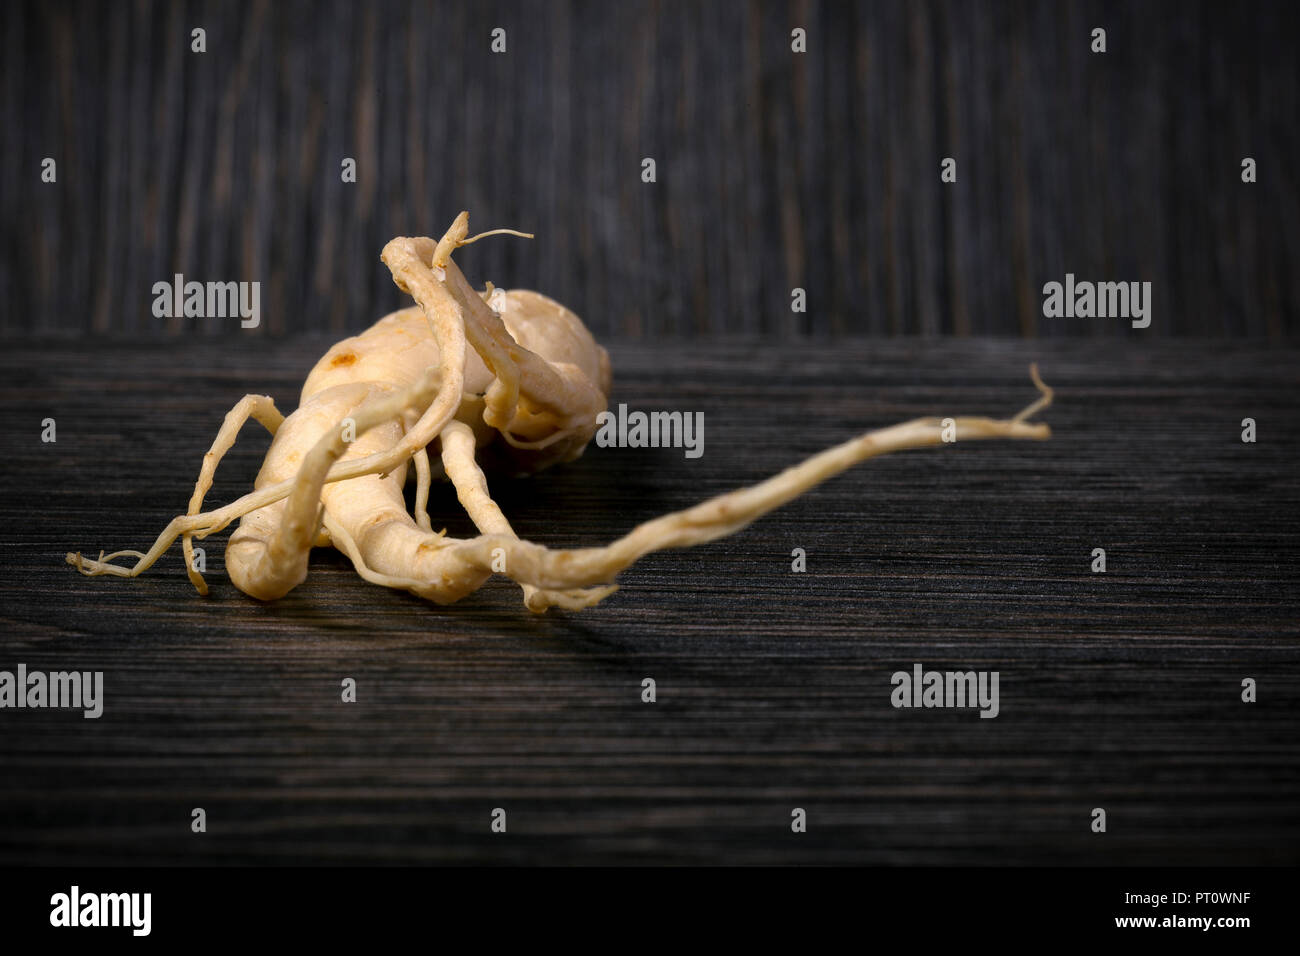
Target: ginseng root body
[{"x": 462, "y": 382}]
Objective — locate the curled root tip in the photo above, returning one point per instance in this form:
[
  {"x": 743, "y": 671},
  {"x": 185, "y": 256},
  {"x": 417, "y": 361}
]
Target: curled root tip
[
  {"x": 540, "y": 600},
  {"x": 1044, "y": 399},
  {"x": 94, "y": 567}
]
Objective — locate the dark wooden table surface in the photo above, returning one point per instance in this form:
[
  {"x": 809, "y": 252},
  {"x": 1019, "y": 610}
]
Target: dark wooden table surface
[{"x": 1118, "y": 690}]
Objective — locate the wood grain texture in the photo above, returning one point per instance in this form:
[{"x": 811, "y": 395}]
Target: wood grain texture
[
  {"x": 775, "y": 170},
  {"x": 1118, "y": 690}
]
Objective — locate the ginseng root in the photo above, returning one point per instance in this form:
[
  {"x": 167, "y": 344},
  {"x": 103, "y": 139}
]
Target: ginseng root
[{"x": 502, "y": 379}]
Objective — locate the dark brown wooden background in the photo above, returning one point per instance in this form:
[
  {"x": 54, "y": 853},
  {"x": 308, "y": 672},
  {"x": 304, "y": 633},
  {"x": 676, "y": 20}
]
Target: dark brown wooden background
[{"x": 775, "y": 170}]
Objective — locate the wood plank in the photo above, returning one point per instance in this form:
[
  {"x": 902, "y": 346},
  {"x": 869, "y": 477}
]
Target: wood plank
[{"x": 1119, "y": 690}]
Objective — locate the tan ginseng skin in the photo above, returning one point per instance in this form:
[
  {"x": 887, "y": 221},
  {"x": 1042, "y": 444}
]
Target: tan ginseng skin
[{"x": 512, "y": 379}]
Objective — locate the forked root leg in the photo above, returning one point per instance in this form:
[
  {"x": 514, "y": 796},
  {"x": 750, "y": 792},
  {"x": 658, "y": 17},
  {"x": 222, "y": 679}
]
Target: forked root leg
[
  {"x": 258, "y": 407},
  {"x": 262, "y": 409},
  {"x": 472, "y": 491}
]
